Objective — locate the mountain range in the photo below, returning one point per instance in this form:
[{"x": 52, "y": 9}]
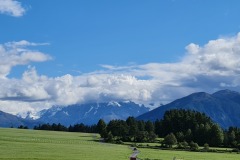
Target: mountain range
[
  {"x": 79, "y": 113},
  {"x": 90, "y": 113},
  {"x": 223, "y": 107}
]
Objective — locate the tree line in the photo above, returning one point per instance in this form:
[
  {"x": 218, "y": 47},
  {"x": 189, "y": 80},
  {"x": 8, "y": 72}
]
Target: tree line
[
  {"x": 178, "y": 126},
  {"x": 182, "y": 127},
  {"x": 72, "y": 128}
]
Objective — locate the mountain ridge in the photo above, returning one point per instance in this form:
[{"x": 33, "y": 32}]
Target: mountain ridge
[
  {"x": 90, "y": 113},
  {"x": 223, "y": 107}
]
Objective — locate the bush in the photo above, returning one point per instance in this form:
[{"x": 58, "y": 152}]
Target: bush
[
  {"x": 235, "y": 150},
  {"x": 193, "y": 146},
  {"x": 206, "y": 147},
  {"x": 238, "y": 145},
  {"x": 183, "y": 145},
  {"x": 119, "y": 141},
  {"x": 212, "y": 150},
  {"x": 22, "y": 127},
  {"x": 134, "y": 145},
  {"x": 109, "y": 137}
]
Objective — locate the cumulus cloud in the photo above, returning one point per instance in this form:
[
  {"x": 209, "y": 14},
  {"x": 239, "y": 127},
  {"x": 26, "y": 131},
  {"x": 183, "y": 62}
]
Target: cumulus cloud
[
  {"x": 208, "y": 68},
  {"x": 17, "y": 53},
  {"x": 220, "y": 57},
  {"x": 11, "y": 7}
]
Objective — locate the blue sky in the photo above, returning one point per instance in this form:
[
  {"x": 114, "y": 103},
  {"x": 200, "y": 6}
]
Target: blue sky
[
  {"x": 144, "y": 51},
  {"x": 84, "y": 34}
]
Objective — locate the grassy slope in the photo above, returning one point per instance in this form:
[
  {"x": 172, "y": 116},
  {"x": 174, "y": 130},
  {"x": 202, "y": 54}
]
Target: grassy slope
[{"x": 31, "y": 144}]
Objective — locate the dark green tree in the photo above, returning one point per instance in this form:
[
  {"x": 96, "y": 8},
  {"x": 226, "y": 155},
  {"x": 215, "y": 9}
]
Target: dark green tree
[
  {"x": 180, "y": 136},
  {"x": 151, "y": 137},
  {"x": 133, "y": 127},
  {"x": 142, "y": 136},
  {"x": 158, "y": 127},
  {"x": 170, "y": 140},
  {"x": 232, "y": 138},
  {"x": 109, "y": 137},
  {"x": 217, "y": 136},
  {"x": 141, "y": 125},
  {"x": 102, "y": 128},
  {"x": 188, "y": 135},
  {"x": 118, "y": 128},
  {"x": 149, "y": 126}
]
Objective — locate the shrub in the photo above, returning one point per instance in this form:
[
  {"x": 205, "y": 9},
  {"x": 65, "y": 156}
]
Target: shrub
[
  {"x": 183, "y": 145},
  {"x": 193, "y": 146},
  {"x": 205, "y": 147},
  {"x": 235, "y": 150}
]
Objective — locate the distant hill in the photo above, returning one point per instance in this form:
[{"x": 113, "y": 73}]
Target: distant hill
[
  {"x": 9, "y": 120},
  {"x": 223, "y": 107},
  {"x": 91, "y": 113}
]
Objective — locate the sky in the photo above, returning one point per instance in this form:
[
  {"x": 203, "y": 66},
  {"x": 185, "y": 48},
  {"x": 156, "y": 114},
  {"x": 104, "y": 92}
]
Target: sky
[{"x": 151, "y": 52}]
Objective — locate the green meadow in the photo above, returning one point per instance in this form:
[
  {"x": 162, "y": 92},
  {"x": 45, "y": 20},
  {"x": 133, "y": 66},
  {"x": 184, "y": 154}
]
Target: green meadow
[{"x": 49, "y": 145}]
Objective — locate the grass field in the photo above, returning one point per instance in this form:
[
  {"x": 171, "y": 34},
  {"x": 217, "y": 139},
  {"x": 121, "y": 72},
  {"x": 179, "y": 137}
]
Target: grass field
[{"x": 32, "y": 144}]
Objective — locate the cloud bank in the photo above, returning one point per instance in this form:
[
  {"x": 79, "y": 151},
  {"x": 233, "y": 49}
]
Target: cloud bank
[
  {"x": 11, "y": 7},
  {"x": 211, "y": 67}
]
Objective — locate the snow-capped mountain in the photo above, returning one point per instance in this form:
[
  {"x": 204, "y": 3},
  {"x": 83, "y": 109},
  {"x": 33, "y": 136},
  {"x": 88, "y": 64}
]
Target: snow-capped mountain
[
  {"x": 91, "y": 113},
  {"x": 9, "y": 120}
]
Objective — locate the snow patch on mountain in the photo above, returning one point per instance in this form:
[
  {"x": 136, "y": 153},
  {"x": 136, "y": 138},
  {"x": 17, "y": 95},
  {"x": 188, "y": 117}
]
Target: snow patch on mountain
[
  {"x": 112, "y": 103},
  {"x": 66, "y": 113},
  {"x": 29, "y": 115},
  {"x": 88, "y": 111}
]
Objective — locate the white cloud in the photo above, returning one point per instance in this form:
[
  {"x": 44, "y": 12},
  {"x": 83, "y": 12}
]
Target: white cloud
[
  {"x": 211, "y": 67},
  {"x": 11, "y": 7},
  {"x": 16, "y": 53},
  {"x": 23, "y": 43}
]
